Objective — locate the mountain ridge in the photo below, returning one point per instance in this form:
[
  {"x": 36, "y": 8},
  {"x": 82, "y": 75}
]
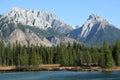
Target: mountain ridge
[
  {"x": 95, "y": 30},
  {"x": 39, "y": 19},
  {"x": 44, "y": 27},
  {"x": 13, "y": 29}
]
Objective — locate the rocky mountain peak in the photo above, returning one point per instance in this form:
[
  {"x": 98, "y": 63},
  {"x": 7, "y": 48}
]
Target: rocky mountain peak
[
  {"x": 93, "y": 22},
  {"x": 15, "y": 9},
  {"x": 95, "y": 30},
  {"x": 39, "y": 19},
  {"x": 94, "y": 16}
]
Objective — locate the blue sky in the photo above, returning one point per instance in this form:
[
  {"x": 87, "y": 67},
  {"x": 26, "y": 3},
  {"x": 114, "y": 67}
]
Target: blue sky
[{"x": 73, "y": 12}]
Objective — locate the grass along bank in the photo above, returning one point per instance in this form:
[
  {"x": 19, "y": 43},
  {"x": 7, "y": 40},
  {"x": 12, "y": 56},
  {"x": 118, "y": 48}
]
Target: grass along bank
[{"x": 55, "y": 67}]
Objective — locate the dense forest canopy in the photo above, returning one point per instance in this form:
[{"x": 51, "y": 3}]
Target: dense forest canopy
[{"x": 70, "y": 55}]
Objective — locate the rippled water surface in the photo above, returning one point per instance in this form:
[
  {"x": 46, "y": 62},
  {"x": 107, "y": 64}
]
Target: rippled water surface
[{"x": 60, "y": 75}]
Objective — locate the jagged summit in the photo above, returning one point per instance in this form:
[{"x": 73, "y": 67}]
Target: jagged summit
[
  {"x": 35, "y": 13},
  {"x": 40, "y": 19},
  {"x": 94, "y": 16},
  {"x": 15, "y": 8},
  {"x": 32, "y": 17}
]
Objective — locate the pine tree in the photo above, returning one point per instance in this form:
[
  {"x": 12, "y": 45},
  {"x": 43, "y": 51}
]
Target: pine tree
[
  {"x": 24, "y": 58},
  {"x": 35, "y": 59},
  {"x": 88, "y": 58},
  {"x": 79, "y": 57},
  {"x": 50, "y": 56},
  {"x": 109, "y": 62},
  {"x": 116, "y": 53},
  {"x": 2, "y": 53},
  {"x": 94, "y": 56}
]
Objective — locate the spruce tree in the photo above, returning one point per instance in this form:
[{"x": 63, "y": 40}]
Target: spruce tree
[
  {"x": 116, "y": 53},
  {"x": 24, "y": 58},
  {"x": 109, "y": 62},
  {"x": 35, "y": 59}
]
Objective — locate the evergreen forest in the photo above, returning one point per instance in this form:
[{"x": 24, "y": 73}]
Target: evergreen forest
[{"x": 66, "y": 55}]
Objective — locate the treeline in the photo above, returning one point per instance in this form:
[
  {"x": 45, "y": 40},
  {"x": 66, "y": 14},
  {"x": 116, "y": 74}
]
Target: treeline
[{"x": 70, "y": 55}]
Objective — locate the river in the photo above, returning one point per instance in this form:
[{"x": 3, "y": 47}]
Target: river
[{"x": 60, "y": 75}]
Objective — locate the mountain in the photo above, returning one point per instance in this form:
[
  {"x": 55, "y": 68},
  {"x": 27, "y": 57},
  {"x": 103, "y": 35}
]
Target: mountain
[
  {"x": 96, "y": 30},
  {"x": 33, "y": 26},
  {"x": 45, "y": 28},
  {"x": 64, "y": 40},
  {"x": 11, "y": 32},
  {"x": 39, "y": 19}
]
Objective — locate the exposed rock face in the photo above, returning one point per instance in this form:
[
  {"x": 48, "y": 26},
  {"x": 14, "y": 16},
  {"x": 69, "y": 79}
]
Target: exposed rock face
[
  {"x": 17, "y": 35},
  {"x": 37, "y": 40},
  {"x": 95, "y": 30},
  {"x": 39, "y": 19},
  {"x": 28, "y": 35}
]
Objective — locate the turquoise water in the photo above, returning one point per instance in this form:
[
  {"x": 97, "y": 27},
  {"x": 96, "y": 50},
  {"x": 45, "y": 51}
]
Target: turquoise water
[{"x": 60, "y": 75}]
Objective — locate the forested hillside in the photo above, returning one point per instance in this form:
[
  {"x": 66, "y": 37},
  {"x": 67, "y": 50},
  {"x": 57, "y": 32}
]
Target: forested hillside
[{"x": 70, "y": 55}]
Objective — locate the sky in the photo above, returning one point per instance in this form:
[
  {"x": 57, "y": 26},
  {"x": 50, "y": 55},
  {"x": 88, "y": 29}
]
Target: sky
[{"x": 72, "y": 12}]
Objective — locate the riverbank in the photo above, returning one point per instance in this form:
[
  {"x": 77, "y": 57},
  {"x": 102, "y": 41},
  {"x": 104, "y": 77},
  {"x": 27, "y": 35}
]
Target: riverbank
[{"x": 55, "y": 67}]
